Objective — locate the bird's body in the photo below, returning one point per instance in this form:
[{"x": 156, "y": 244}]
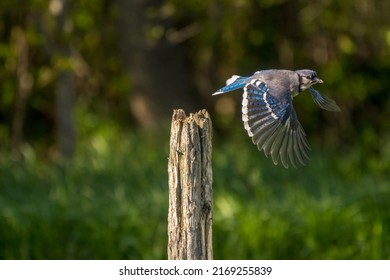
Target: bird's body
[{"x": 268, "y": 113}]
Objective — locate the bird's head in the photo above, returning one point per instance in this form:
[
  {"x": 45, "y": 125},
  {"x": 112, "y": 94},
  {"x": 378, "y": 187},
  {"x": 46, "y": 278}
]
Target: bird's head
[{"x": 307, "y": 78}]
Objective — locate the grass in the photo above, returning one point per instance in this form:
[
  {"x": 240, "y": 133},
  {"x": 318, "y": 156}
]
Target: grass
[
  {"x": 336, "y": 208},
  {"x": 110, "y": 202}
]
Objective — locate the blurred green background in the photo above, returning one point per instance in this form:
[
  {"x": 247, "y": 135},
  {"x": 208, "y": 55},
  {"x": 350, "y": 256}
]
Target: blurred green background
[{"x": 87, "y": 89}]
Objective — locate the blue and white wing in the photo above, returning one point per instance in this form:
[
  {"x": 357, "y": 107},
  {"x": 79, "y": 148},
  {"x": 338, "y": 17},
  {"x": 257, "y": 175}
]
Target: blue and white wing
[
  {"x": 271, "y": 121},
  {"x": 324, "y": 102}
]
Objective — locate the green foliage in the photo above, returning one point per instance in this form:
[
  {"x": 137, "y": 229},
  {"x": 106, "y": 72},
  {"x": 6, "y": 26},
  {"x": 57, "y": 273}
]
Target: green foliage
[
  {"x": 323, "y": 211},
  {"x": 348, "y": 43},
  {"x": 110, "y": 202}
]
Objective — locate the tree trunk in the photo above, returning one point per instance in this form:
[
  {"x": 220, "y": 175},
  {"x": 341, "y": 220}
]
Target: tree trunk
[
  {"x": 190, "y": 187},
  {"x": 64, "y": 88},
  {"x": 24, "y": 86},
  {"x": 65, "y": 92},
  {"x": 159, "y": 78}
]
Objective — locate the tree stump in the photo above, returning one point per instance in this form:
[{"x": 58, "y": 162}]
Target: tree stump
[{"x": 190, "y": 187}]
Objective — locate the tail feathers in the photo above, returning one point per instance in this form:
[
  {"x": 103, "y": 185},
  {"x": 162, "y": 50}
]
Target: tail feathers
[{"x": 235, "y": 82}]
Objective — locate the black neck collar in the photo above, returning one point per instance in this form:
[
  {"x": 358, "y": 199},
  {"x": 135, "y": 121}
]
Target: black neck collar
[{"x": 300, "y": 83}]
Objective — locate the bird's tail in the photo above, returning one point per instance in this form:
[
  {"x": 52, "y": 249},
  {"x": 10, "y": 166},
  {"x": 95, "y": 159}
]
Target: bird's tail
[{"x": 235, "y": 82}]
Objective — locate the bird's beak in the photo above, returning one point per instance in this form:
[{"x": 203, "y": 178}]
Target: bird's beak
[{"x": 318, "y": 81}]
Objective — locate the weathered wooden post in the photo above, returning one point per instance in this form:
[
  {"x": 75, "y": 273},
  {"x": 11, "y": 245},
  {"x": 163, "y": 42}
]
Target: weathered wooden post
[{"x": 190, "y": 213}]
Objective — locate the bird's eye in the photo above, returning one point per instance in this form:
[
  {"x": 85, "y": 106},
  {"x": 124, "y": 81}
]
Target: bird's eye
[{"x": 313, "y": 76}]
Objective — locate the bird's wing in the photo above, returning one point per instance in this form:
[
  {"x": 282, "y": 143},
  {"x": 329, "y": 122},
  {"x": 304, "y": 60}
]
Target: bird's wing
[
  {"x": 324, "y": 102},
  {"x": 271, "y": 121}
]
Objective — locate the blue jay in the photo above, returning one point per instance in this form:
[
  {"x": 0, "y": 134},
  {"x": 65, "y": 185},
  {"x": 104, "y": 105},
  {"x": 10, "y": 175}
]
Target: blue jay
[{"x": 268, "y": 113}]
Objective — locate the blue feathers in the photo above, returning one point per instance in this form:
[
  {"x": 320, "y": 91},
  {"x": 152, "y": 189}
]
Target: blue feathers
[
  {"x": 268, "y": 114},
  {"x": 324, "y": 102},
  {"x": 271, "y": 122},
  {"x": 235, "y": 82}
]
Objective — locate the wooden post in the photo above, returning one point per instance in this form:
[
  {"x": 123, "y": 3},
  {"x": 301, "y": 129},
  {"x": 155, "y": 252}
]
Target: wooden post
[{"x": 190, "y": 187}]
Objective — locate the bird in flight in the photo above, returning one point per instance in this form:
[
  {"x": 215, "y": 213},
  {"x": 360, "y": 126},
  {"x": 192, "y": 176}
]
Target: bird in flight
[{"x": 268, "y": 113}]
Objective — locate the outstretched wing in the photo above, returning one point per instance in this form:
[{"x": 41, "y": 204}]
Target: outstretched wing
[
  {"x": 324, "y": 102},
  {"x": 271, "y": 121}
]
